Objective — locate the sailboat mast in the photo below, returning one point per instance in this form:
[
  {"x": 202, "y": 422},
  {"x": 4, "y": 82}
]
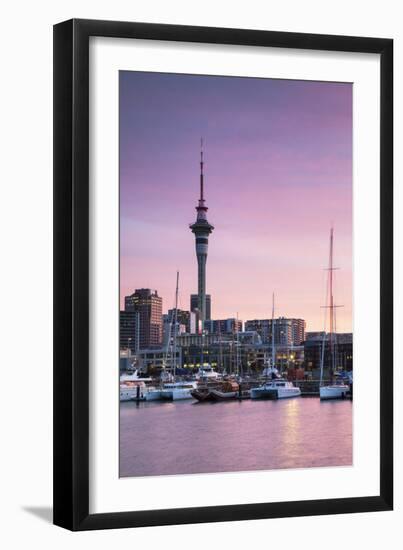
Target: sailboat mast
[
  {"x": 220, "y": 347},
  {"x": 175, "y": 320},
  {"x": 331, "y": 308},
  {"x": 329, "y": 296},
  {"x": 332, "y": 315},
  {"x": 273, "y": 350},
  {"x": 237, "y": 345}
]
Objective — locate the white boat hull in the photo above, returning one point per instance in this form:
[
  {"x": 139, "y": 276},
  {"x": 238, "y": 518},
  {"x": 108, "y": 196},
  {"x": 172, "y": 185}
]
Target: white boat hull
[
  {"x": 176, "y": 394},
  {"x": 334, "y": 391},
  {"x": 130, "y": 393},
  {"x": 153, "y": 395},
  {"x": 283, "y": 394},
  {"x": 126, "y": 396},
  {"x": 274, "y": 393}
]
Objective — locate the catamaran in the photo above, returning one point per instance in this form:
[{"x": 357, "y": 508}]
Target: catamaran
[
  {"x": 332, "y": 390},
  {"x": 277, "y": 387}
]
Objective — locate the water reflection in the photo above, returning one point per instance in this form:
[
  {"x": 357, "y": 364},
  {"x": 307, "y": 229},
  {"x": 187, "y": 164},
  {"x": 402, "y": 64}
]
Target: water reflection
[{"x": 184, "y": 437}]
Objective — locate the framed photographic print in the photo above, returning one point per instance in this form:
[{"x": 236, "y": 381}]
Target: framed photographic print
[{"x": 223, "y": 321}]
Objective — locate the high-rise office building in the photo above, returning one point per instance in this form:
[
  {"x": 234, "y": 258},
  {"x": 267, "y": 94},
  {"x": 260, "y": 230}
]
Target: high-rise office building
[
  {"x": 127, "y": 331},
  {"x": 148, "y": 305}
]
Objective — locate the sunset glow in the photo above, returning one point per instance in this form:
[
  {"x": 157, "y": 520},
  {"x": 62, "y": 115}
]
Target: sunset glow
[{"x": 278, "y": 173}]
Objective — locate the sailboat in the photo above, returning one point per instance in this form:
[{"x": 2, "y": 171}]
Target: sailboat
[
  {"x": 277, "y": 387},
  {"x": 332, "y": 390},
  {"x": 175, "y": 390}
]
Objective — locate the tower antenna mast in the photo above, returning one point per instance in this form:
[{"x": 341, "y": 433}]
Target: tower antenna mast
[{"x": 201, "y": 172}]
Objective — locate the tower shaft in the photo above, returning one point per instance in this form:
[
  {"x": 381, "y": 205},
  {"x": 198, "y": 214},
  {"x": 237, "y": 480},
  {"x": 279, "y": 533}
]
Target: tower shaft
[
  {"x": 201, "y": 229},
  {"x": 201, "y": 283}
]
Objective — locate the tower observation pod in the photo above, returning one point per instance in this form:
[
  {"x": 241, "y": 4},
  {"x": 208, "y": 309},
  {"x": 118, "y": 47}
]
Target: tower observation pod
[{"x": 201, "y": 229}]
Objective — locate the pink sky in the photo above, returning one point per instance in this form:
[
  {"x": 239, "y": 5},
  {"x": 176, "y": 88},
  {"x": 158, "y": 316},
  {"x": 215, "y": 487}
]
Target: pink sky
[{"x": 277, "y": 175}]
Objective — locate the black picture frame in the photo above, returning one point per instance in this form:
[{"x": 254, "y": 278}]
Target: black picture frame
[{"x": 71, "y": 274}]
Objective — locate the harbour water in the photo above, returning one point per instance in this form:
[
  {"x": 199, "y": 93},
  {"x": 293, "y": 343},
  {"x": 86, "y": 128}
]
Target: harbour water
[{"x": 185, "y": 437}]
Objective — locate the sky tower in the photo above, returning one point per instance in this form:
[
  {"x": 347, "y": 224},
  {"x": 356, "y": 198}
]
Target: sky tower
[{"x": 201, "y": 229}]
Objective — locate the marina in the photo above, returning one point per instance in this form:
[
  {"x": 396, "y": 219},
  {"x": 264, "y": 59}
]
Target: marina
[{"x": 186, "y": 389}]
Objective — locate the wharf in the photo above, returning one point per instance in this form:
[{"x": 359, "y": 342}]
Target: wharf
[{"x": 309, "y": 387}]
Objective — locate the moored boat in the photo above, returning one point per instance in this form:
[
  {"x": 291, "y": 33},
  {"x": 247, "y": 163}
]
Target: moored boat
[
  {"x": 202, "y": 394},
  {"x": 132, "y": 391},
  {"x": 206, "y": 372},
  {"x": 278, "y": 388},
  {"x": 134, "y": 376},
  {"x": 334, "y": 391},
  {"x": 178, "y": 390},
  {"x": 153, "y": 394},
  {"x": 228, "y": 390}
]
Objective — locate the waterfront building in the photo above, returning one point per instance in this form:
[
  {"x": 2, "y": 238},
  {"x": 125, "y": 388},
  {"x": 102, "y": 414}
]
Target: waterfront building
[
  {"x": 289, "y": 357},
  {"x": 223, "y": 326},
  {"x": 315, "y": 335},
  {"x": 343, "y": 353},
  {"x": 248, "y": 338},
  {"x": 127, "y": 360},
  {"x": 148, "y": 305},
  {"x": 127, "y": 331},
  {"x": 153, "y": 360},
  {"x": 183, "y": 317},
  {"x": 287, "y": 332},
  {"x": 201, "y": 230},
  {"x": 193, "y": 327},
  {"x": 224, "y": 354},
  {"x": 201, "y": 339},
  {"x": 169, "y": 329},
  {"x": 244, "y": 355},
  {"x": 194, "y": 306},
  {"x": 341, "y": 337},
  {"x": 207, "y": 339},
  {"x": 262, "y": 327},
  {"x": 344, "y": 338}
]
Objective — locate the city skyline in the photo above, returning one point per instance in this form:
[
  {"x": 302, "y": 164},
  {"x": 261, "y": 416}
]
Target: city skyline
[{"x": 277, "y": 175}]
